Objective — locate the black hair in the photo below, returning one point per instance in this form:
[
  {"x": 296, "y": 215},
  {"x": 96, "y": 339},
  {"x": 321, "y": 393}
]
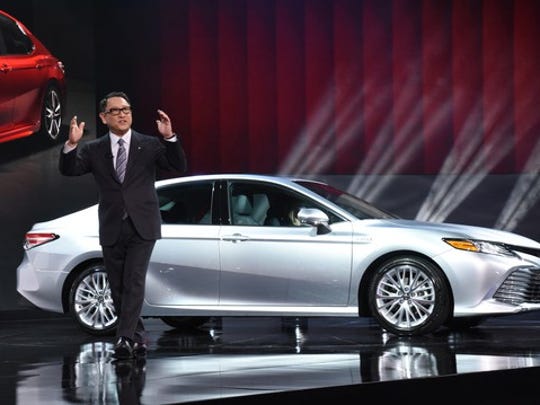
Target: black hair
[{"x": 103, "y": 102}]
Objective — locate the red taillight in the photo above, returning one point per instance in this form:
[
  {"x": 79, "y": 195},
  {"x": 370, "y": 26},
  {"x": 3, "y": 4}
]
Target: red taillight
[{"x": 33, "y": 239}]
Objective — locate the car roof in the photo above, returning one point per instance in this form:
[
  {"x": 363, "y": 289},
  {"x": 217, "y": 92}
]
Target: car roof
[{"x": 277, "y": 179}]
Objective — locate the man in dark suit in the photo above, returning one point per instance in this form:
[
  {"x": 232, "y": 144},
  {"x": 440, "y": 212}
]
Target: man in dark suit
[{"x": 129, "y": 217}]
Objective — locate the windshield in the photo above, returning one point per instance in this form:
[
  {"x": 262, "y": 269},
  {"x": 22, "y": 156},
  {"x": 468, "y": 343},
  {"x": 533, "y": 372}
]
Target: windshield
[{"x": 359, "y": 208}]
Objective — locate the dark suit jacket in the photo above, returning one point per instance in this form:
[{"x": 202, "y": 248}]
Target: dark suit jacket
[{"x": 137, "y": 194}]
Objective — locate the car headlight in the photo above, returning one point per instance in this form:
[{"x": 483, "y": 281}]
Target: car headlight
[{"x": 480, "y": 246}]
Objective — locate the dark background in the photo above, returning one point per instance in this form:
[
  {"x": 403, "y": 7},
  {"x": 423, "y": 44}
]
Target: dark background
[{"x": 426, "y": 108}]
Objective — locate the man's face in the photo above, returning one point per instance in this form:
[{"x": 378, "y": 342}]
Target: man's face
[{"x": 117, "y": 115}]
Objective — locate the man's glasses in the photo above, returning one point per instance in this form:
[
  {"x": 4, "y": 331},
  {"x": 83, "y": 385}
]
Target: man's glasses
[{"x": 117, "y": 111}]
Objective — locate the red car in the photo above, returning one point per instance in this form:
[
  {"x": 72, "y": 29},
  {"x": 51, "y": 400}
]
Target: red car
[{"x": 32, "y": 84}]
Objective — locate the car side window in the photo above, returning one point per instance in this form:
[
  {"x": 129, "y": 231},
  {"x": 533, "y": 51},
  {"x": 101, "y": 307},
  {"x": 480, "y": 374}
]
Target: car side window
[
  {"x": 257, "y": 204},
  {"x": 13, "y": 40},
  {"x": 3, "y": 48},
  {"x": 186, "y": 204}
]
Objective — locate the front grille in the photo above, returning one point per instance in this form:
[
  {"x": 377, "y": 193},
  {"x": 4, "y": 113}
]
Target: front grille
[{"x": 520, "y": 287}]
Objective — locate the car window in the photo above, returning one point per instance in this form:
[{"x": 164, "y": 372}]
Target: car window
[
  {"x": 359, "y": 208},
  {"x": 186, "y": 203},
  {"x": 13, "y": 41},
  {"x": 257, "y": 204}
]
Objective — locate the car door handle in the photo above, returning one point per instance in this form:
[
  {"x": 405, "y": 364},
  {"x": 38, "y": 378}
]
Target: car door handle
[
  {"x": 237, "y": 237},
  {"x": 5, "y": 68}
]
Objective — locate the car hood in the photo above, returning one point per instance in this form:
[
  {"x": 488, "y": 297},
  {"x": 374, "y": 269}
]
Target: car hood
[{"x": 450, "y": 230}]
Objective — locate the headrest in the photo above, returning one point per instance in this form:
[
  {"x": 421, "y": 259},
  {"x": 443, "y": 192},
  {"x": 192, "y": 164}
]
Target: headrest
[{"x": 241, "y": 205}]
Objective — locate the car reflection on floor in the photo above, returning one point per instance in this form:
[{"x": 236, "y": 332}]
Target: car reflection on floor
[{"x": 236, "y": 357}]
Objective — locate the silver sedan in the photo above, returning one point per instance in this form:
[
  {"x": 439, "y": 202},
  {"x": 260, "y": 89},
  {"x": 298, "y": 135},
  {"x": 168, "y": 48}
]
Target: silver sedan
[{"x": 253, "y": 245}]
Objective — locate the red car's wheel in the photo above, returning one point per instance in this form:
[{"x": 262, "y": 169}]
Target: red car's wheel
[{"x": 51, "y": 114}]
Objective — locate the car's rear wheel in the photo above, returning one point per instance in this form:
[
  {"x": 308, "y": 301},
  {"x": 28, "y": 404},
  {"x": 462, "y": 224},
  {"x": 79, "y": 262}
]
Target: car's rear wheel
[
  {"x": 185, "y": 322},
  {"x": 51, "y": 114},
  {"x": 409, "y": 296},
  {"x": 90, "y": 301}
]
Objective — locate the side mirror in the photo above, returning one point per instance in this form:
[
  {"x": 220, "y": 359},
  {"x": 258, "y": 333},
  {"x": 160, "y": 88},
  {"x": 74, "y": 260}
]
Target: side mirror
[{"x": 314, "y": 217}]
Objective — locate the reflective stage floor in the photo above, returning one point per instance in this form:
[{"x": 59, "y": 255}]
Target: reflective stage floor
[{"x": 49, "y": 360}]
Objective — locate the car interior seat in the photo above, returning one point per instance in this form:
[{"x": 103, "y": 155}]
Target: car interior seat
[
  {"x": 176, "y": 214},
  {"x": 242, "y": 210},
  {"x": 261, "y": 204}
]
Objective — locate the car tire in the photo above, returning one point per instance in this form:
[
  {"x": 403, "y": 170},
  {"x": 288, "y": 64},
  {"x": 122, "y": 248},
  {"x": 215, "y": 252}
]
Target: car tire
[
  {"x": 90, "y": 301},
  {"x": 51, "y": 115},
  {"x": 185, "y": 322},
  {"x": 409, "y": 296}
]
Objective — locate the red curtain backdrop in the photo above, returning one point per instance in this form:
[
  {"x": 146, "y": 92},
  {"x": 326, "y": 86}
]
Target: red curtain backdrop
[{"x": 346, "y": 86}]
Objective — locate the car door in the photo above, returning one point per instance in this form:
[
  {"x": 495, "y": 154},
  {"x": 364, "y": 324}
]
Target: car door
[
  {"x": 268, "y": 260},
  {"x": 184, "y": 268},
  {"x": 8, "y": 93},
  {"x": 22, "y": 73}
]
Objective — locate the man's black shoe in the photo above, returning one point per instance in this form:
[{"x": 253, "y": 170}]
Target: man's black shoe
[
  {"x": 139, "y": 349},
  {"x": 123, "y": 348}
]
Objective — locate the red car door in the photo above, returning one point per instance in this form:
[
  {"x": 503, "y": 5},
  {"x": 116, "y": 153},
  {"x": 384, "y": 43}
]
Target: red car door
[{"x": 22, "y": 70}]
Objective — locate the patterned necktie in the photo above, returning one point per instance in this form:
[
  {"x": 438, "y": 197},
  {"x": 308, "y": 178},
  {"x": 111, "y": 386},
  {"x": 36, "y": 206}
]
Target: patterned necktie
[{"x": 121, "y": 160}]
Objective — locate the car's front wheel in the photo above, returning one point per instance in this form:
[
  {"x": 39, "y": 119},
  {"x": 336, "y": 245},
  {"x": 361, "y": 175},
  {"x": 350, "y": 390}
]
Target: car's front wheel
[
  {"x": 51, "y": 114},
  {"x": 409, "y": 296},
  {"x": 90, "y": 301}
]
